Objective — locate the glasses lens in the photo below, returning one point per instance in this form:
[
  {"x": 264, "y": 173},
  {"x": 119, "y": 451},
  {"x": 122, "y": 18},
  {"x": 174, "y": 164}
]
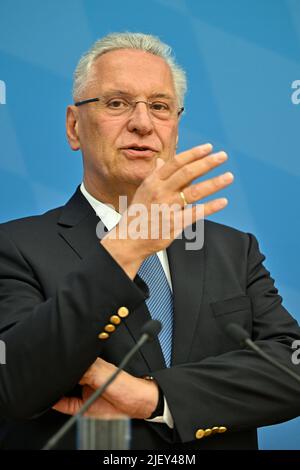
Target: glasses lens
[
  {"x": 117, "y": 106},
  {"x": 161, "y": 109}
]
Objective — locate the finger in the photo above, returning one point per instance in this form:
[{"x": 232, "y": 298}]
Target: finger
[
  {"x": 159, "y": 163},
  {"x": 192, "y": 213},
  {"x": 206, "y": 188},
  {"x": 191, "y": 171},
  {"x": 182, "y": 159},
  {"x": 94, "y": 373},
  {"x": 68, "y": 405},
  {"x": 215, "y": 205},
  {"x": 196, "y": 212},
  {"x": 87, "y": 391}
]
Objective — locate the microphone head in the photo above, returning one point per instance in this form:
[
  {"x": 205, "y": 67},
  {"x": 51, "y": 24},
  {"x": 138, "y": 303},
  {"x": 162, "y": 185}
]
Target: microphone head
[
  {"x": 237, "y": 333},
  {"x": 151, "y": 328}
]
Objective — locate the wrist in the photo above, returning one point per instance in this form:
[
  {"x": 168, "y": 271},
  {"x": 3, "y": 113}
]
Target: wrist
[
  {"x": 124, "y": 254},
  {"x": 160, "y": 402}
]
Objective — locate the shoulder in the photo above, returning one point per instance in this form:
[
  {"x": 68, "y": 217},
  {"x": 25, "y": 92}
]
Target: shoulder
[
  {"x": 217, "y": 229},
  {"x": 31, "y": 226},
  {"x": 226, "y": 241},
  {"x": 216, "y": 232}
]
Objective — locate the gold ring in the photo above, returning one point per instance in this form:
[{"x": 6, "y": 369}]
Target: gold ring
[{"x": 185, "y": 203}]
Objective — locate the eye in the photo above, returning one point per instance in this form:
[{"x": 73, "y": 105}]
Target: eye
[
  {"x": 117, "y": 104},
  {"x": 160, "y": 106}
]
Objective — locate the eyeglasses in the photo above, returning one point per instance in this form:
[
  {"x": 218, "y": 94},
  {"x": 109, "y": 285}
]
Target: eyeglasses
[{"x": 125, "y": 106}]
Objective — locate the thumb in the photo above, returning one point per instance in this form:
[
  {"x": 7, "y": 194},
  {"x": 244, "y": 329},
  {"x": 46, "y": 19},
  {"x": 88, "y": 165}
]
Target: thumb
[
  {"x": 159, "y": 163},
  {"x": 68, "y": 405}
]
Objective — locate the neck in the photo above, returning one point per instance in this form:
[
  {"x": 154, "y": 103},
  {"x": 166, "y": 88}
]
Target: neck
[{"x": 113, "y": 196}]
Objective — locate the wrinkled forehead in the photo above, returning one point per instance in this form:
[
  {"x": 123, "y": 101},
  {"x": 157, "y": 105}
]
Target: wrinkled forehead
[{"x": 133, "y": 71}]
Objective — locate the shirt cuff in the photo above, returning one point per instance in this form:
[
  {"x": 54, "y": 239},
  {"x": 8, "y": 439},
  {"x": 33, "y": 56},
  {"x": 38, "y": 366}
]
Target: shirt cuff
[{"x": 166, "y": 418}]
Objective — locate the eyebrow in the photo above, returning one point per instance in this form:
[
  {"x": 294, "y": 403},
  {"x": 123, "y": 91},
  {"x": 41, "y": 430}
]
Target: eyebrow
[
  {"x": 116, "y": 92},
  {"x": 126, "y": 93},
  {"x": 162, "y": 95}
]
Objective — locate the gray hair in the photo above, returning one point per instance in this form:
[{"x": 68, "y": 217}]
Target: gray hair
[{"x": 114, "y": 41}]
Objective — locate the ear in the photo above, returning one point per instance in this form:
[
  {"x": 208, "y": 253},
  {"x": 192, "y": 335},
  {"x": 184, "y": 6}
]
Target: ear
[{"x": 72, "y": 128}]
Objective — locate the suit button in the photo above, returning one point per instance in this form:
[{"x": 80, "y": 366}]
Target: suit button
[
  {"x": 199, "y": 433},
  {"x": 103, "y": 335},
  {"x": 215, "y": 429},
  {"x": 109, "y": 328},
  {"x": 222, "y": 429},
  {"x": 123, "y": 312},
  {"x": 207, "y": 432},
  {"x": 115, "y": 319}
]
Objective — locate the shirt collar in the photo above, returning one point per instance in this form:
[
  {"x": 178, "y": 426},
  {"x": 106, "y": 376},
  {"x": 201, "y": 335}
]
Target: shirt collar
[{"x": 106, "y": 213}]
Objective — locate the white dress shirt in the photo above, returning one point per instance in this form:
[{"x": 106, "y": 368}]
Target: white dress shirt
[{"x": 110, "y": 219}]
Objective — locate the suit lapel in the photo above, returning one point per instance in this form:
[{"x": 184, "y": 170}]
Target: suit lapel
[
  {"x": 187, "y": 274},
  {"x": 77, "y": 224},
  {"x": 82, "y": 236}
]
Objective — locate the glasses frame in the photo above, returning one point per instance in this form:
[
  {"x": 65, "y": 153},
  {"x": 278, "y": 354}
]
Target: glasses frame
[{"x": 98, "y": 98}]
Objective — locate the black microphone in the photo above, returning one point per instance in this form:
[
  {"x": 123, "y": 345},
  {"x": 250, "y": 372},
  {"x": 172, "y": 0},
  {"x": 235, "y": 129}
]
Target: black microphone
[
  {"x": 149, "y": 332},
  {"x": 238, "y": 334}
]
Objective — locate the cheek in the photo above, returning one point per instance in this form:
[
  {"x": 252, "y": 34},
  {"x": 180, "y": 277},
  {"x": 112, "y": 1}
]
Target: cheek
[
  {"x": 101, "y": 132},
  {"x": 168, "y": 136},
  {"x": 109, "y": 137}
]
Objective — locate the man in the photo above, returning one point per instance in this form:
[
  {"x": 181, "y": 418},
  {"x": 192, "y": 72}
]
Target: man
[{"x": 73, "y": 305}]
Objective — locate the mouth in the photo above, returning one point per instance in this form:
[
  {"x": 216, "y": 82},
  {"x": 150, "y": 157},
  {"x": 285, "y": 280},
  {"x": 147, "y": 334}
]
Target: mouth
[{"x": 139, "y": 151}]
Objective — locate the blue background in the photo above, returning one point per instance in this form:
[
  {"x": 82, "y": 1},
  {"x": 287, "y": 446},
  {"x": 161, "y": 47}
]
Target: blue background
[{"x": 241, "y": 57}]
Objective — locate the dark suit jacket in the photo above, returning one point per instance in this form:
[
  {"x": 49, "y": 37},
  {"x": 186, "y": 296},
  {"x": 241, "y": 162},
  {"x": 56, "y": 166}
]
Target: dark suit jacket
[{"x": 58, "y": 289}]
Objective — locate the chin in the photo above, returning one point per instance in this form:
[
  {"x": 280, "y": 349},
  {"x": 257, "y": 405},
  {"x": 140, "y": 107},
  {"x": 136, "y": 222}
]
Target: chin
[
  {"x": 136, "y": 180},
  {"x": 137, "y": 173}
]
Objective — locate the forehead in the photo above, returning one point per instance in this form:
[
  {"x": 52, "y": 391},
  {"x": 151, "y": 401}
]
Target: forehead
[{"x": 133, "y": 71}]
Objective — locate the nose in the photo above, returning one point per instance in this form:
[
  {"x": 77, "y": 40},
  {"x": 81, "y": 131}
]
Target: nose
[{"x": 140, "y": 120}]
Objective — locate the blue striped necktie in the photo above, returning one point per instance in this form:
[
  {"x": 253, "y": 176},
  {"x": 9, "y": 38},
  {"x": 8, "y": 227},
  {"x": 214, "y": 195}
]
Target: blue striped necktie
[{"x": 160, "y": 301}]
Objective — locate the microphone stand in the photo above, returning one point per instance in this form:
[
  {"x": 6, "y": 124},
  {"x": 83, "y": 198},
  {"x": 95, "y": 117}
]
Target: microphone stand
[
  {"x": 150, "y": 331},
  {"x": 240, "y": 335}
]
